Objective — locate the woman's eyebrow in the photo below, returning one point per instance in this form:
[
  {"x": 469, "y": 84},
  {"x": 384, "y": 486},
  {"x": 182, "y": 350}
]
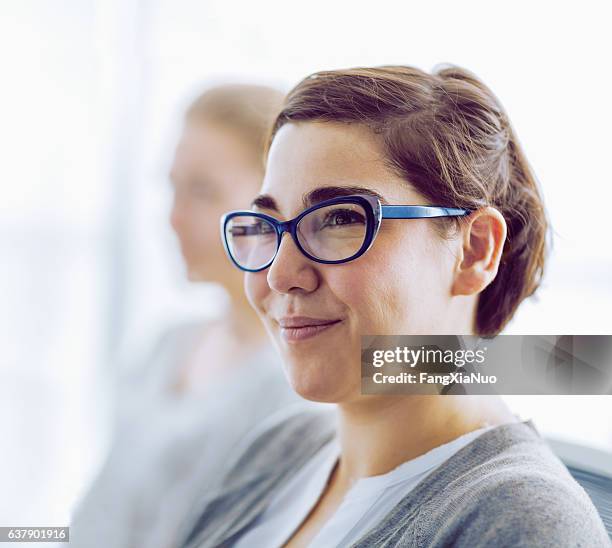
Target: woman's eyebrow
[
  {"x": 320, "y": 194},
  {"x": 328, "y": 192},
  {"x": 264, "y": 201}
]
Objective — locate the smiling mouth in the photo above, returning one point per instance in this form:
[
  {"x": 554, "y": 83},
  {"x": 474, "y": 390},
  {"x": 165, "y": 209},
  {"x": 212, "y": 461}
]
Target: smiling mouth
[{"x": 297, "y": 334}]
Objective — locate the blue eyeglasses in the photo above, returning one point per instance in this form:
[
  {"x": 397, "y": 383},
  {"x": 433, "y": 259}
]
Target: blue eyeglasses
[{"x": 331, "y": 232}]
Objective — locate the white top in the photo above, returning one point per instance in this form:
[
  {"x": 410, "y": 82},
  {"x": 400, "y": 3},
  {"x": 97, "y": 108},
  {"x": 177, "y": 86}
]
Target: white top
[{"x": 363, "y": 507}]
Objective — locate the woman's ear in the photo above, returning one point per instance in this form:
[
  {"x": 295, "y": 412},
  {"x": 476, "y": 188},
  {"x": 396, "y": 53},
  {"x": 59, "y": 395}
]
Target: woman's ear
[{"x": 483, "y": 240}]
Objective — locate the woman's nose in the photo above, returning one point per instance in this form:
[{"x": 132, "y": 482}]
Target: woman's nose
[{"x": 291, "y": 270}]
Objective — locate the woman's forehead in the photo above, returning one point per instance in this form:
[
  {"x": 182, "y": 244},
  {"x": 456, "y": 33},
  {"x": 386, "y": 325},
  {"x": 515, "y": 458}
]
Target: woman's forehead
[
  {"x": 312, "y": 161},
  {"x": 310, "y": 150}
]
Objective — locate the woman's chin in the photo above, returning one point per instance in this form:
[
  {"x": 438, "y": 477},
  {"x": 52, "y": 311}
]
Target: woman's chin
[
  {"x": 319, "y": 389},
  {"x": 196, "y": 273},
  {"x": 318, "y": 397}
]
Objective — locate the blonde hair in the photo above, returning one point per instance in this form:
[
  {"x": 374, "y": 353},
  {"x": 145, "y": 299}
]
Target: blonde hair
[{"x": 247, "y": 110}]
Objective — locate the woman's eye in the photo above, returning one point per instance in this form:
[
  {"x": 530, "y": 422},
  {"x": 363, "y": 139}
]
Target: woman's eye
[
  {"x": 264, "y": 228},
  {"x": 343, "y": 217}
]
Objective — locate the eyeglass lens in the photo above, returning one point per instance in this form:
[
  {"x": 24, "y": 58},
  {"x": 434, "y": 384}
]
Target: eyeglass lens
[{"x": 331, "y": 233}]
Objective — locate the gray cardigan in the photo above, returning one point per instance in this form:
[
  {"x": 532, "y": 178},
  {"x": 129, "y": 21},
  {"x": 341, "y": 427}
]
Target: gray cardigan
[{"x": 505, "y": 488}]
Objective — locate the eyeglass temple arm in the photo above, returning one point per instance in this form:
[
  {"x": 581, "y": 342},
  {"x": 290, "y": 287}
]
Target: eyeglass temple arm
[{"x": 420, "y": 212}]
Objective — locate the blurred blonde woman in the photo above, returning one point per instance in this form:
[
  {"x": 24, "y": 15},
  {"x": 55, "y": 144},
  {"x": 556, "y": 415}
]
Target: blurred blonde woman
[{"x": 205, "y": 385}]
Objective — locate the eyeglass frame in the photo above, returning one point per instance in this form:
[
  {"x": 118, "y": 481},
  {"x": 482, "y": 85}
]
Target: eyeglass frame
[{"x": 375, "y": 213}]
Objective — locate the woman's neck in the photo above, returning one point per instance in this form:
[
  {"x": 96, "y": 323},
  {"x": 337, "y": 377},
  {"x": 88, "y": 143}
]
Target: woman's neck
[{"x": 381, "y": 434}]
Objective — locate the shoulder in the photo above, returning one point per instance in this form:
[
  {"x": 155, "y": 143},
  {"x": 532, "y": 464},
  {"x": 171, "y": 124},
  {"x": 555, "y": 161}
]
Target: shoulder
[
  {"x": 528, "y": 508},
  {"x": 282, "y": 438},
  {"x": 521, "y": 495},
  {"x": 270, "y": 453}
]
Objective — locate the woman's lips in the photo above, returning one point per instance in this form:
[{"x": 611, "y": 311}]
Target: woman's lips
[{"x": 296, "y": 334}]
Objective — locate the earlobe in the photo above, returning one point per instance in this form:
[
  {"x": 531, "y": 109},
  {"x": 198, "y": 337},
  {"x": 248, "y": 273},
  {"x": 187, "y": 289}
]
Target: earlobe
[{"x": 482, "y": 244}]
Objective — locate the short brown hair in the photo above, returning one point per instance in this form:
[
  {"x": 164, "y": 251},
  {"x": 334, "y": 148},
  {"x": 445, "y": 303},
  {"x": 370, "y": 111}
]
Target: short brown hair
[{"x": 448, "y": 135}]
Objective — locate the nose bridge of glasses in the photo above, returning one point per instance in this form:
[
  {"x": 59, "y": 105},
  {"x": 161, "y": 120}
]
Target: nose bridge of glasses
[
  {"x": 290, "y": 228},
  {"x": 284, "y": 226}
]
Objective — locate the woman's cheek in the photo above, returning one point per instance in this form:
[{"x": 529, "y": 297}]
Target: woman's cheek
[
  {"x": 256, "y": 289},
  {"x": 356, "y": 286},
  {"x": 385, "y": 294}
]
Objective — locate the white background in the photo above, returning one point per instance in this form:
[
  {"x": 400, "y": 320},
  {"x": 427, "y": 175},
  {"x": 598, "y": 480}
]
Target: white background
[{"x": 90, "y": 104}]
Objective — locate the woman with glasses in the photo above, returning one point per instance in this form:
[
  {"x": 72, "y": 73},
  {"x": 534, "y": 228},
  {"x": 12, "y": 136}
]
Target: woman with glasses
[{"x": 394, "y": 202}]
